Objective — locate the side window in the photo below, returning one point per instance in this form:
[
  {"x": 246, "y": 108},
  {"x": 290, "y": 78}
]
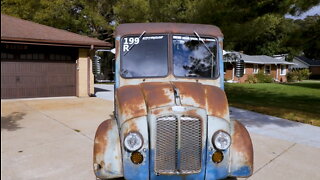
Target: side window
[
  {"x": 255, "y": 68},
  {"x": 267, "y": 69},
  {"x": 283, "y": 70}
]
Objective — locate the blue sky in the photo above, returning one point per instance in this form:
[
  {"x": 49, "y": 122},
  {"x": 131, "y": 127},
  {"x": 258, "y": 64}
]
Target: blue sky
[{"x": 310, "y": 12}]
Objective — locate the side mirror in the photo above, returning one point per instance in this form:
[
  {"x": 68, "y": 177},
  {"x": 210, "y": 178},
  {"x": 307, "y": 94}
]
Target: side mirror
[{"x": 239, "y": 68}]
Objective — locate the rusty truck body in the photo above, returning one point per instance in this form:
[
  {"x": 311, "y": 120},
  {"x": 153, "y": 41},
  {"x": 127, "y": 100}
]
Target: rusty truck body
[{"x": 171, "y": 112}]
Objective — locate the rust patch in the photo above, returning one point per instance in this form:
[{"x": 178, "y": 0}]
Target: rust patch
[
  {"x": 158, "y": 94},
  {"x": 117, "y": 48},
  {"x": 175, "y": 28},
  {"x": 132, "y": 127},
  {"x": 100, "y": 140},
  {"x": 158, "y": 111},
  {"x": 191, "y": 90},
  {"x": 217, "y": 104},
  {"x": 221, "y": 44},
  {"x": 192, "y": 113},
  {"x": 131, "y": 102},
  {"x": 242, "y": 142}
]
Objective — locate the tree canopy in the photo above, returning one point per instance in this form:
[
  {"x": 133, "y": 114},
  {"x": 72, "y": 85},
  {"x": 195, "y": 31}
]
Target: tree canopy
[{"x": 255, "y": 27}]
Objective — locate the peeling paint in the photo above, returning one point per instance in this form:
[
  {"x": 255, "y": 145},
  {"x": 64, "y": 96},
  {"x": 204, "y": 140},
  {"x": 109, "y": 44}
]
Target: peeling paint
[
  {"x": 106, "y": 150},
  {"x": 241, "y": 151}
]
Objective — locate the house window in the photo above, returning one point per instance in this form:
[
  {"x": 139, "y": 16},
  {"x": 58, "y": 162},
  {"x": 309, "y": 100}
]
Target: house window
[
  {"x": 283, "y": 70},
  {"x": 255, "y": 68},
  {"x": 6, "y": 56},
  {"x": 267, "y": 69},
  {"x": 32, "y": 56},
  {"x": 59, "y": 57},
  {"x": 244, "y": 68}
]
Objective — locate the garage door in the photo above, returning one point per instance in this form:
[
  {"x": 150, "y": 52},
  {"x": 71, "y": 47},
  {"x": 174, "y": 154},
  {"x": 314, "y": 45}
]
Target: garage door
[{"x": 26, "y": 79}]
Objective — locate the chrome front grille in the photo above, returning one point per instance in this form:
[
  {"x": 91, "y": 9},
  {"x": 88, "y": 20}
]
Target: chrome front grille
[
  {"x": 190, "y": 137},
  {"x": 178, "y": 145}
]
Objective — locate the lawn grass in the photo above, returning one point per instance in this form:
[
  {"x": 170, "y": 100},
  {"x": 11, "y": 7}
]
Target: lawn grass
[{"x": 293, "y": 101}]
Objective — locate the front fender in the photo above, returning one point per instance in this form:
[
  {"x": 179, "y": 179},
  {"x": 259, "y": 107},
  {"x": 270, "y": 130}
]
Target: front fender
[
  {"x": 241, "y": 152},
  {"x": 107, "y": 158}
]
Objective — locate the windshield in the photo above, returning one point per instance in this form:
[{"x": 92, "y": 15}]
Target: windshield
[
  {"x": 144, "y": 56},
  {"x": 192, "y": 58}
]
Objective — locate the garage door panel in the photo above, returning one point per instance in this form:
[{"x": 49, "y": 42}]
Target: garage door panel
[{"x": 37, "y": 79}]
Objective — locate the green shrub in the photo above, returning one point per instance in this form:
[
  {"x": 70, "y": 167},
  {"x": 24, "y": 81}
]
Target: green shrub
[
  {"x": 298, "y": 75},
  {"x": 292, "y": 76},
  {"x": 304, "y": 74},
  {"x": 251, "y": 79},
  {"x": 263, "y": 78}
]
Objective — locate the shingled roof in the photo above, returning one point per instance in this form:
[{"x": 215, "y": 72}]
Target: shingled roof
[
  {"x": 257, "y": 59},
  {"x": 310, "y": 62},
  {"x": 15, "y": 30}
]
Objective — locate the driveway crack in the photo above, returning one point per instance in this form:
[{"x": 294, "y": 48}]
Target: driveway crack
[
  {"x": 65, "y": 125},
  {"x": 274, "y": 158}
]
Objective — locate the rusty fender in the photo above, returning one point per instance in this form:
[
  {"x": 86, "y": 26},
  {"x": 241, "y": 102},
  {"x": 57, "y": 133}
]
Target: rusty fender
[
  {"x": 107, "y": 158},
  {"x": 241, "y": 151}
]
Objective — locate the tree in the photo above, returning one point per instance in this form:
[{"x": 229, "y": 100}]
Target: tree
[
  {"x": 132, "y": 11},
  {"x": 307, "y": 37},
  {"x": 80, "y": 16},
  {"x": 255, "y": 27}
]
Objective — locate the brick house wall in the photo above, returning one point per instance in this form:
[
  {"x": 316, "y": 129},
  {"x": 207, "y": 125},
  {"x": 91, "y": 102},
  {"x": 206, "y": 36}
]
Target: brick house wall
[{"x": 276, "y": 74}]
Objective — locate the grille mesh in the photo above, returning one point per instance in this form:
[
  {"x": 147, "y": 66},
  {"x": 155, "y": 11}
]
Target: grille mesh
[
  {"x": 173, "y": 133},
  {"x": 167, "y": 130},
  {"x": 190, "y": 145}
]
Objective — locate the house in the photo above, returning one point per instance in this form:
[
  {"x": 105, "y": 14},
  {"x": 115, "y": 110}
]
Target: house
[
  {"x": 253, "y": 64},
  {"x": 301, "y": 62},
  {"x": 42, "y": 61}
]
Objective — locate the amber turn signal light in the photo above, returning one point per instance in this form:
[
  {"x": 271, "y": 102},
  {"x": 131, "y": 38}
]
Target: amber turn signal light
[
  {"x": 136, "y": 157},
  {"x": 217, "y": 157}
]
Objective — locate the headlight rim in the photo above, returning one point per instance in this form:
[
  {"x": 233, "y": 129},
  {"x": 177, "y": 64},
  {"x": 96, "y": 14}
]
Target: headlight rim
[
  {"x": 214, "y": 137},
  {"x": 124, "y": 141}
]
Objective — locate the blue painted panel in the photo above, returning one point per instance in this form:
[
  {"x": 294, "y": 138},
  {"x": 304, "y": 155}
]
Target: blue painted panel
[
  {"x": 117, "y": 73},
  {"x": 243, "y": 171},
  {"x": 217, "y": 171},
  {"x": 199, "y": 176},
  {"x": 133, "y": 171},
  {"x": 221, "y": 68}
]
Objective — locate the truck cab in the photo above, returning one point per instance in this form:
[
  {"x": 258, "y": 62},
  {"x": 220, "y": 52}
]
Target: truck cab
[{"x": 171, "y": 116}]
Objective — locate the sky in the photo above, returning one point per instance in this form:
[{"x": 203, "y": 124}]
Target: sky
[{"x": 313, "y": 11}]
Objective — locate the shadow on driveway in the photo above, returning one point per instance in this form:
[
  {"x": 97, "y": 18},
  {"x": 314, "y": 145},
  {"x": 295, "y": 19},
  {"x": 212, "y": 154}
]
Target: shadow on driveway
[
  {"x": 100, "y": 90},
  {"x": 10, "y": 122}
]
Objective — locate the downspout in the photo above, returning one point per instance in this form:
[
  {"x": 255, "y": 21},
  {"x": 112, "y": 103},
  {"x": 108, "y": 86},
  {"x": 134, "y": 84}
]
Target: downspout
[
  {"x": 232, "y": 72},
  {"x": 277, "y": 76},
  {"x": 88, "y": 70}
]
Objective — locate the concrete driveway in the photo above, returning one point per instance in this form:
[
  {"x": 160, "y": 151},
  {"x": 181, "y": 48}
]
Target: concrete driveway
[
  {"x": 50, "y": 138},
  {"x": 53, "y": 139}
]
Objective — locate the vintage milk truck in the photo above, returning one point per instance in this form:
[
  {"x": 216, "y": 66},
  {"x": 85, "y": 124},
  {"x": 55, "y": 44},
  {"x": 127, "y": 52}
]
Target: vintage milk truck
[{"x": 171, "y": 116}]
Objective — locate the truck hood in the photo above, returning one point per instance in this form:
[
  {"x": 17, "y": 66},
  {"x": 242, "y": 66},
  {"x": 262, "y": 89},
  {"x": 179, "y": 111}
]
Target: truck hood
[{"x": 137, "y": 100}]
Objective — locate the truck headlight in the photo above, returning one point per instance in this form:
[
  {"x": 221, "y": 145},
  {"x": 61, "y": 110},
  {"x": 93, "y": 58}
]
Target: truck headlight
[
  {"x": 221, "y": 140},
  {"x": 133, "y": 141}
]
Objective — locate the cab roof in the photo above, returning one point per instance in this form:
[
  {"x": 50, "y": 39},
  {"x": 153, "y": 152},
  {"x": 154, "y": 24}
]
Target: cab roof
[{"x": 170, "y": 28}]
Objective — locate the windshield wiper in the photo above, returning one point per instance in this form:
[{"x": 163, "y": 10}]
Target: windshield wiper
[
  {"x": 212, "y": 55},
  {"x": 141, "y": 35}
]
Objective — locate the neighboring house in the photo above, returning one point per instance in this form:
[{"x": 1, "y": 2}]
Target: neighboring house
[
  {"x": 42, "y": 61},
  {"x": 302, "y": 62},
  {"x": 275, "y": 67}
]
